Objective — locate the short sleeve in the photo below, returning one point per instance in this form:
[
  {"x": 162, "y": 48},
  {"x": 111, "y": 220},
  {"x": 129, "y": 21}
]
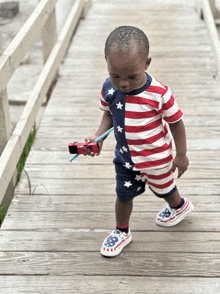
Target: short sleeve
[
  {"x": 169, "y": 108},
  {"x": 103, "y": 105}
]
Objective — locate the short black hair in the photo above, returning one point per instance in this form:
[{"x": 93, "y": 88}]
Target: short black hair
[{"x": 124, "y": 38}]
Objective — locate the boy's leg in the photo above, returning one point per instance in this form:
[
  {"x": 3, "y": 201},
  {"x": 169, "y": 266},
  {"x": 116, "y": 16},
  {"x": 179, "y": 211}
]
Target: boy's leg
[
  {"x": 123, "y": 209},
  {"x": 161, "y": 182},
  {"x": 175, "y": 211},
  {"x": 174, "y": 199},
  {"x": 129, "y": 185},
  {"x": 121, "y": 236}
]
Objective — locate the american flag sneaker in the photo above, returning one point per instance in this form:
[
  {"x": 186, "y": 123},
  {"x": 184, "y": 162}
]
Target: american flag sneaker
[
  {"x": 169, "y": 217},
  {"x": 115, "y": 242}
]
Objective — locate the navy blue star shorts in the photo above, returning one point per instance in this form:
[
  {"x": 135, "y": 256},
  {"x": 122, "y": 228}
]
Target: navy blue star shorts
[{"x": 132, "y": 183}]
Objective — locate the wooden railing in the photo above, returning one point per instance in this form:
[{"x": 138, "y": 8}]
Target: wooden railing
[
  {"x": 42, "y": 21},
  {"x": 209, "y": 10}
]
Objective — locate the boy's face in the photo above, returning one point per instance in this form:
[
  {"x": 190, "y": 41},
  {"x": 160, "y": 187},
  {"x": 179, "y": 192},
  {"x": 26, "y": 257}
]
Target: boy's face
[{"x": 127, "y": 70}]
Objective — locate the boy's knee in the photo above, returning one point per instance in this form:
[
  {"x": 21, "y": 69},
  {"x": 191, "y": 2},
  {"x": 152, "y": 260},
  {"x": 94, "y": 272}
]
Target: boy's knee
[{"x": 124, "y": 200}]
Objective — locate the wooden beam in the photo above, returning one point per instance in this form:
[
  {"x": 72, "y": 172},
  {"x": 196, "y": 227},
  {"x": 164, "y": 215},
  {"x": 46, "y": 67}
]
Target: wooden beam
[
  {"x": 5, "y": 122},
  {"x": 15, "y": 145},
  {"x": 23, "y": 41},
  {"x": 49, "y": 35},
  {"x": 208, "y": 16},
  {"x": 214, "y": 8},
  {"x": 87, "y": 6}
]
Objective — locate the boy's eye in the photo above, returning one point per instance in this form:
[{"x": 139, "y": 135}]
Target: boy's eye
[{"x": 132, "y": 77}]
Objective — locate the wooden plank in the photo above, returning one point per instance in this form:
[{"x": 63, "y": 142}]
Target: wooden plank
[
  {"x": 49, "y": 35},
  {"x": 76, "y": 110},
  {"x": 92, "y": 264},
  {"x": 79, "y": 97},
  {"x": 70, "y": 240},
  {"x": 85, "y": 121},
  {"x": 93, "y": 171},
  {"x": 197, "y": 221},
  {"x": 87, "y": 6},
  {"x": 107, "y": 284},
  {"x": 207, "y": 13},
  {"x": 214, "y": 8},
  {"x": 82, "y": 132},
  {"x": 107, "y": 186},
  {"x": 146, "y": 202},
  {"x": 97, "y": 82},
  {"x": 44, "y": 143},
  {"x": 5, "y": 122}
]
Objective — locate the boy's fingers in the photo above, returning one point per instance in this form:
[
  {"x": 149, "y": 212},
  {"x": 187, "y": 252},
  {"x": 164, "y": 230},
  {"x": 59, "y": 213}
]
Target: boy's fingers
[
  {"x": 173, "y": 168},
  {"x": 179, "y": 173}
]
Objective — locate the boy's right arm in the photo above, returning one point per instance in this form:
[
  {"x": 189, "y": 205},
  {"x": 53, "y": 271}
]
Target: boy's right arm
[{"x": 105, "y": 125}]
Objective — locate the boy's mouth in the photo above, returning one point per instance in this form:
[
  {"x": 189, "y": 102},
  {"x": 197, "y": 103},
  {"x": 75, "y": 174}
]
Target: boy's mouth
[{"x": 125, "y": 90}]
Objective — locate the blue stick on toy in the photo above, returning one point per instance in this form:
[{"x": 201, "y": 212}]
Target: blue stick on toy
[{"x": 96, "y": 140}]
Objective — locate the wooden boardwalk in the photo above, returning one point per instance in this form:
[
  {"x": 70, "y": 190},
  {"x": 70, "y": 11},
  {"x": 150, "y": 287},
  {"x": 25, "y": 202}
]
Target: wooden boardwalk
[{"x": 50, "y": 240}]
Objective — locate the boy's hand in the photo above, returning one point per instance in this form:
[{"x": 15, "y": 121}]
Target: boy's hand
[
  {"x": 91, "y": 139},
  {"x": 181, "y": 162}
]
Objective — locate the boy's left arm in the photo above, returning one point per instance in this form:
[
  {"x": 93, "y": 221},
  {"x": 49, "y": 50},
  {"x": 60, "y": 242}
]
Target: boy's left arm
[{"x": 179, "y": 135}]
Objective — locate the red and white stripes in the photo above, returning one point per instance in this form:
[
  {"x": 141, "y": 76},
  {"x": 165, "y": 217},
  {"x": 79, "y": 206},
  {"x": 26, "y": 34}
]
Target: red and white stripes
[
  {"x": 145, "y": 131},
  {"x": 145, "y": 125}
]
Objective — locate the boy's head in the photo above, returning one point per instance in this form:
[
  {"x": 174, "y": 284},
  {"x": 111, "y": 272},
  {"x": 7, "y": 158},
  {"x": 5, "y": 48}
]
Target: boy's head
[{"x": 126, "y": 53}]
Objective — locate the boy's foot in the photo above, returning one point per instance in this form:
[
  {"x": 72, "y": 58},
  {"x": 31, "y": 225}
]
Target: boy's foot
[
  {"x": 169, "y": 217},
  {"x": 115, "y": 242}
]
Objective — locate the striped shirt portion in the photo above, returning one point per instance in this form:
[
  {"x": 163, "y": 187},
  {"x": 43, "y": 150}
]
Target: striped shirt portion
[
  {"x": 103, "y": 105},
  {"x": 146, "y": 115}
]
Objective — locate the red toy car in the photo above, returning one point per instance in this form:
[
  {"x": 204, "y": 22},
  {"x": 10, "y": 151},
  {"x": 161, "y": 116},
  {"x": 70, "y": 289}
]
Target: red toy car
[{"x": 83, "y": 148}]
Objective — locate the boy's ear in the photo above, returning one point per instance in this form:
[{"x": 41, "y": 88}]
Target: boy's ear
[{"x": 148, "y": 61}]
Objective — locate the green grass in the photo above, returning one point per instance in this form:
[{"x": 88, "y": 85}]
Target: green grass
[
  {"x": 25, "y": 153},
  {"x": 3, "y": 210},
  {"x": 20, "y": 166}
]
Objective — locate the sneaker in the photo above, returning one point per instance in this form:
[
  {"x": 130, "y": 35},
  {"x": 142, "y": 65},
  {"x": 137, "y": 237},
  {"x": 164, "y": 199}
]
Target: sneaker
[
  {"x": 169, "y": 217},
  {"x": 115, "y": 242}
]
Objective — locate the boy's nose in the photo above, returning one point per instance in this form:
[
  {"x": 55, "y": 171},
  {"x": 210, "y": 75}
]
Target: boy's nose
[{"x": 124, "y": 83}]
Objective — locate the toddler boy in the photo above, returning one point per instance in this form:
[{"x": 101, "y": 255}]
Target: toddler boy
[{"x": 140, "y": 107}]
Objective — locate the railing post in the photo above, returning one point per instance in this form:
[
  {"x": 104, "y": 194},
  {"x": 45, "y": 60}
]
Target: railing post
[
  {"x": 214, "y": 5},
  {"x": 215, "y": 11},
  {"x": 5, "y": 132},
  {"x": 5, "y": 122},
  {"x": 87, "y": 6},
  {"x": 217, "y": 4}
]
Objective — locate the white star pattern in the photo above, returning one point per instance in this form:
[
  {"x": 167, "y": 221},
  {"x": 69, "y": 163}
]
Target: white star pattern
[
  {"x": 110, "y": 92},
  {"x": 139, "y": 188},
  {"x": 121, "y": 150},
  {"x": 119, "y": 129},
  {"x": 127, "y": 165},
  {"x": 125, "y": 149},
  {"x": 119, "y": 105},
  {"x": 138, "y": 177},
  {"x": 127, "y": 184}
]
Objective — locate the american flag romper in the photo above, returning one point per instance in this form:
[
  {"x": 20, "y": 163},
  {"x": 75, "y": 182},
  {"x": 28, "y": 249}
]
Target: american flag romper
[{"x": 144, "y": 145}]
